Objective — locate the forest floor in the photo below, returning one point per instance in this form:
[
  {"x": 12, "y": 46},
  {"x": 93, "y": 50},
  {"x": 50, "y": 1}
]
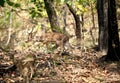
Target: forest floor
[
  {"x": 83, "y": 66},
  {"x": 79, "y": 67}
]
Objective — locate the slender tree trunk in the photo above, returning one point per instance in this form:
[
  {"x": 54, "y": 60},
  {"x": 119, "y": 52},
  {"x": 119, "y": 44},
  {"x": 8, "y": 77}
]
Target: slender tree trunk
[
  {"x": 64, "y": 18},
  {"x": 82, "y": 19},
  {"x": 113, "y": 39},
  {"x": 9, "y": 30},
  {"x": 93, "y": 22},
  {"x": 49, "y": 5},
  {"x": 102, "y": 7},
  {"x": 77, "y": 21}
]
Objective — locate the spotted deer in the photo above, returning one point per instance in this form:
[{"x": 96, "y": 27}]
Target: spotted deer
[{"x": 59, "y": 39}]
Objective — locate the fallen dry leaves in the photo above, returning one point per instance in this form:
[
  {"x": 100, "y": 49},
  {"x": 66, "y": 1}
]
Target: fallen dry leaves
[{"x": 80, "y": 67}]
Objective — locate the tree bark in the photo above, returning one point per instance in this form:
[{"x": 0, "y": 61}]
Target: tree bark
[
  {"x": 113, "y": 38},
  {"x": 64, "y": 18},
  {"x": 52, "y": 15},
  {"x": 93, "y": 22},
  {"x": 77, "y": 22},
  {"x": 102, "y": 9}
]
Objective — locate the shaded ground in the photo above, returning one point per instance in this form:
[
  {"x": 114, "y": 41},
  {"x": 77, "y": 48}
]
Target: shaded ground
[{"x": 80, "y": 67}]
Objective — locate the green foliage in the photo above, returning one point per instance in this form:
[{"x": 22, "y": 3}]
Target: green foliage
[
  {"x": 38, "y": 9},
  {"x": 34, "y": 13},
  {"x": 81, "y": 6},
  {"x": 32, "y": 0},
  {"x": 7, "y": 15},
  {"x": 2, "y": 2},
  {"x": 12, "y": 3},
  {"x": 4, "y": 19}
]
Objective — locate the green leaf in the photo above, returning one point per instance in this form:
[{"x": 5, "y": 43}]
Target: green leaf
[
  {"x": 32, "y": 0},
  {"x": 12, "y": 3}
]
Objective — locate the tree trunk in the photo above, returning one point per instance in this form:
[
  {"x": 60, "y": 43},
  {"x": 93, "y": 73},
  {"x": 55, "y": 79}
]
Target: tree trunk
[
  {"x": 52, "y": 15},
  {"x": 82, "y": 19},
  {"x": 113, "y": 39},
  {"x": 102, "y": 7},
  {"x": 93, "y": 22},
  {"x": 77, "y": 21},
  {"x": 9, "y": 30},
  {"x": 64, "y": 18}
]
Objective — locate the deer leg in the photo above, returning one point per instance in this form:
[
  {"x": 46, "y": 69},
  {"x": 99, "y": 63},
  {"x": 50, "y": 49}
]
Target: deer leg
[
  {"x": 56, "y": 46},
  {"x": 56, "y": 49},
  {"x": 68, "y": 47}
]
